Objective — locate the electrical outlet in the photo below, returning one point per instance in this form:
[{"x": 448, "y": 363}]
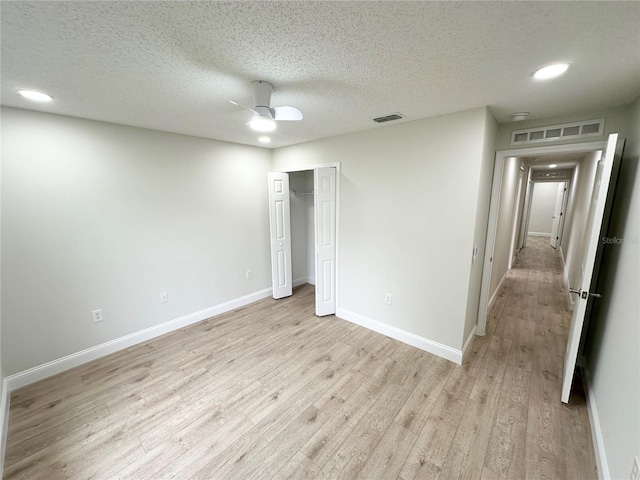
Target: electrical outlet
[
  {"x": 635, "y": 470},
  {"x": 164, "y": 297},
  {"x": 388, "y": 298},
  {"x": 249, "y": 275},
  {"x": 96, "y": 315}
]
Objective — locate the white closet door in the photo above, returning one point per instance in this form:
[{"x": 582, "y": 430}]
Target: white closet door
[
  {"x": 325, "y": 212},
  {"x": 280, "y": 222}
]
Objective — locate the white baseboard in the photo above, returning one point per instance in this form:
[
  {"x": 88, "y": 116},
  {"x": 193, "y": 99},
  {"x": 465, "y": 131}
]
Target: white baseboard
[
  {"x": 495, "y": 293},
  {"x": 409, "y": 338},
  {"x": 48, "y": 369},
  {"x": 302, "y": 280},
  {"x": 596, "y": 431},
  {"x": 539, "y": 234},
  {"x": 4, "y": 422},
  {"x": 467, "y": 343},
  {"x": 565, "y": 275}
]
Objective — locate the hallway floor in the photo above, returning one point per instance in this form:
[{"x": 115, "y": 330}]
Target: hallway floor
[{"x": 530, "y": 314}]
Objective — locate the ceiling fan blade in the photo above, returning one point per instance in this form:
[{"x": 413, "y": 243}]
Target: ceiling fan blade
[
  {"x": 287, "y": 114},
  {"x": 243, "y": 106}
]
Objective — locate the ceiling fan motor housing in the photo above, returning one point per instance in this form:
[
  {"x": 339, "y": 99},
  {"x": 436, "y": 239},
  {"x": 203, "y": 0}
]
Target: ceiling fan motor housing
[
  {"x": 261, "y": 94},
  {"x": 264, "y": 111}
]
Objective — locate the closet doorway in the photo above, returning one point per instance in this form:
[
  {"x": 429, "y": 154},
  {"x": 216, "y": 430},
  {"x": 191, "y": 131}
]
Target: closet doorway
[{"x": 303, "y": 230}]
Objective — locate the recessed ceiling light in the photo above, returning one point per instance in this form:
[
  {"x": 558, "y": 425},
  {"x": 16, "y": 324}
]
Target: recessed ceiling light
[
  {"x": 262, "y": 124},
  {"x": 550, "y": 71},
  {"x": 553, "y": 165},
  {"x": 35, "y": 95},
  {"x": 264, "y": 139}
]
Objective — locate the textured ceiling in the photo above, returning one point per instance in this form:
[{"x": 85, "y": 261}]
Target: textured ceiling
[{"x": 173, "y": 66}]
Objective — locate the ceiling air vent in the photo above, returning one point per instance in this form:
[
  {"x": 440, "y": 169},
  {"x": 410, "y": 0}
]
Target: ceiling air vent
[
  {"x": 388, "y": 118},
  {"x": 550, "y": 133}
]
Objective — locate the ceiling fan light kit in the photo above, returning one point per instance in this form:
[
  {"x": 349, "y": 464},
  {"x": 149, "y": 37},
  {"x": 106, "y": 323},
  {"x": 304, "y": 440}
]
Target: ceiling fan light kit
[
  {"x": 262, "y": 124},
  {"x": 264, "y": 116}
]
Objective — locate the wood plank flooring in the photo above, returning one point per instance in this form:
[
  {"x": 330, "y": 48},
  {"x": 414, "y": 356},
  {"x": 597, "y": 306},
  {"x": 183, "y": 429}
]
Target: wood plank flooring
[{"x": 271, "y": 391}]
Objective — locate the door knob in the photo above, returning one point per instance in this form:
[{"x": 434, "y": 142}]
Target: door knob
[{"x": 584, "y": 295}]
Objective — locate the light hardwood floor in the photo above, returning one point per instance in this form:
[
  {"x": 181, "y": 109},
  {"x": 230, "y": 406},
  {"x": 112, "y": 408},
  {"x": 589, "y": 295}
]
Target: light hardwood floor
[{"x": 271, "y": 391}]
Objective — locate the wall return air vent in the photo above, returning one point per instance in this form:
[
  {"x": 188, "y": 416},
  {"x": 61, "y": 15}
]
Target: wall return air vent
[
  {"x": 566, "y": 131},
  {"x": 388, "y": 118}
]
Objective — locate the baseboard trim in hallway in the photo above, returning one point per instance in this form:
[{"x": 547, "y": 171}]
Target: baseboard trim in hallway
[{"x": 596, "y": 431}]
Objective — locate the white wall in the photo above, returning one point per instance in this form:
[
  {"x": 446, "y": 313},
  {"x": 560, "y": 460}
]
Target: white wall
[
  {"x": 614, "y": 337},
  {"x": 506, "y": 222},
  {"x": 96, "y": 215},
  {"x": 572, "y": 246},
  {"x": 302, "y": 227},
  {"x": 408, "y": 206},
  {"x": 482, "y": 218},
  {"x": 542, "y": 206}
]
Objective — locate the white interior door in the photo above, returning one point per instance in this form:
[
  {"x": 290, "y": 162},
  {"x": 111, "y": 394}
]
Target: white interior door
[
  {"x": 325, "y": 211},
  {"x": 591, "y": 241},
  {"x": 557, "y": 212},
  {"x": 280, "y": 226}
]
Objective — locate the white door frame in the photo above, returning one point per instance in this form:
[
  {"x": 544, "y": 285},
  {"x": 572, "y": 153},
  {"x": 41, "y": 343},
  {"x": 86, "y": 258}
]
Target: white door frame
[
  {"x": 526, "y": 212},
  {"x": 516, "y": 218},
  {"x": 496, "y": 191},
  {"x": 312, "y": 167}
]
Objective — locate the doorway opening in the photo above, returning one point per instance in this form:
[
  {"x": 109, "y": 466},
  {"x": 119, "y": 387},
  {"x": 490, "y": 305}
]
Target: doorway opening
[
  {"x": 301, "y": 198},
  {"x": 303, "y": 212},
  {"x": 580, "y": 195},
  {"x": 547, "y": 210}
]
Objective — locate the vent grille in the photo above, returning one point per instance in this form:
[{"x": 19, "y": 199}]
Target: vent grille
[
  {"x": 548, "y": 175},
  {"x": 550, "y": 133},
  {"x": 388, "y": 118},
  {"x": 590, "y": 128}
]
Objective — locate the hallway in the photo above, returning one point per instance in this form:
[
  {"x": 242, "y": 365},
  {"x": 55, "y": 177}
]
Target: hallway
[{"x": 532, "y": 425}]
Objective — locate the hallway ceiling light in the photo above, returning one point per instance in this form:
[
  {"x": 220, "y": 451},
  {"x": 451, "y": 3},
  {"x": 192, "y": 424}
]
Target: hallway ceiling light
[
  {"x": 35, "y": 96},
  {"x": 550, "y": 71},
  {"x": 264, "y": 139},
  {"x": 553, "y": 165}
]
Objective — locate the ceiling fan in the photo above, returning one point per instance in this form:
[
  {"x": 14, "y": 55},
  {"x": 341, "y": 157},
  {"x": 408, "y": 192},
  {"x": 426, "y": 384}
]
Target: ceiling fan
[{"x": 264, "y": 116}]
